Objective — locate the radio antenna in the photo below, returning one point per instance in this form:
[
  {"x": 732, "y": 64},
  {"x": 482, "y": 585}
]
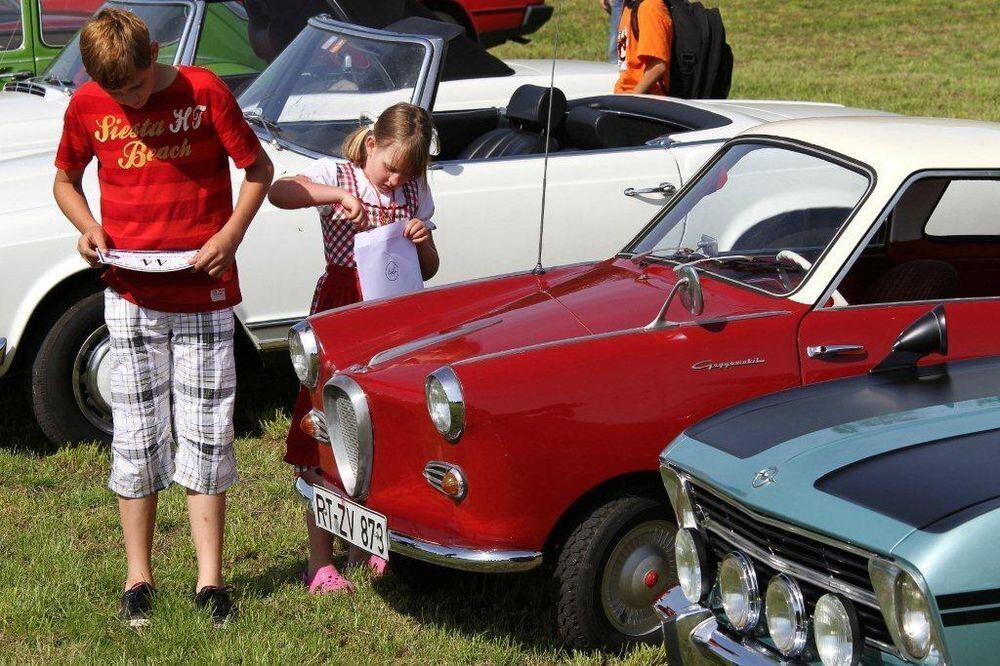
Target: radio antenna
[{"x": 538, "y": 269}]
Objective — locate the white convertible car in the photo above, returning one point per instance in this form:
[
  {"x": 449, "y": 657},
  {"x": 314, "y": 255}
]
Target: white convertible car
[{"x": 614, "y": 161}]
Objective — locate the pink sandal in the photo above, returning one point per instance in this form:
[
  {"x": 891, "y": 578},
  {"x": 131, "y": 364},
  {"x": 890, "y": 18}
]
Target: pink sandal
[
  {"x": 327, "y": 580},
  {"x": 373, "y": 563}
]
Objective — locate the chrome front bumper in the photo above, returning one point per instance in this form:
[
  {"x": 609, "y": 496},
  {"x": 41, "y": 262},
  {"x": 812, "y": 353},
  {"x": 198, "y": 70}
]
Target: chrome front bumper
[
  {"x": 454, "y": 557},
  {"x": 691, "y": 634}
]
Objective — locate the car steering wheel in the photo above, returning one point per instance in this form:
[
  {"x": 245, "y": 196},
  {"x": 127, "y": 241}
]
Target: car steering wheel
[{"x": 805, "y": 264}]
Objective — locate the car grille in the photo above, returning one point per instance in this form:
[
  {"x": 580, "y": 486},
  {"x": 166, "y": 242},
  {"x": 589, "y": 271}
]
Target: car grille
[
  {"x": 25, "y": 87},
  {"x": 349, "y": 425},
  {"x": 819, "y": 567}
]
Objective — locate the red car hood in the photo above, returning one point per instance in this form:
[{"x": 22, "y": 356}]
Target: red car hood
[{"x": 446, "y": 325}]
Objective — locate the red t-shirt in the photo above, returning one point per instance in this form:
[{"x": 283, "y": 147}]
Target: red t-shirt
[{"x": 164, "y": 177}]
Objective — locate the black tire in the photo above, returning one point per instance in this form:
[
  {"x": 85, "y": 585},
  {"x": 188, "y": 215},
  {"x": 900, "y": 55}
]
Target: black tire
[
  {"x": 629, "y": 536},
  {"x": 65, "y": 410}
]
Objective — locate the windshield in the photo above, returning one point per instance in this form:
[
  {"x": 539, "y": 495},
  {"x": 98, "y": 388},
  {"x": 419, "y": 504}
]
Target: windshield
[
  {"x": 326, "y": 82},
  {"x": 761, "y": 215},
  {"x": 166, "y": 24}
]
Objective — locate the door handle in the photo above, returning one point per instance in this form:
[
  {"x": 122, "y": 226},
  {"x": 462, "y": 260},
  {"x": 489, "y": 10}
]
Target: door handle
[
  {"x": 662, "y": 188},
  {"x": 832, "y": 351}
]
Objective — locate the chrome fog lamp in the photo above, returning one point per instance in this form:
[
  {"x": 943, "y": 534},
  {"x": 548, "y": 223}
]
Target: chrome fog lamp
[
  {"x": 689, "y": 555},
  {"x": 740, "y": 592},
  {"x": 304, "y": 350},
  {"x": 445, "y": 403},
  {"x": 912, "y": 616},
  {"x": 837, "y": 632},
  {"x": 785, "y": 610}
]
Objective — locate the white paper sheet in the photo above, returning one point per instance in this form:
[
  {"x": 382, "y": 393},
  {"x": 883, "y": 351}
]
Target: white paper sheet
[
  {"x": 387, "y": 262},
  {"x": 148, "y": 261}
]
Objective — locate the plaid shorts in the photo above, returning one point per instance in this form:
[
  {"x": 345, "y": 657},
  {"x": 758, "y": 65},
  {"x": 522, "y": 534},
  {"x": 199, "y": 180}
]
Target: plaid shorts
[{"x": 173, "y": 379}]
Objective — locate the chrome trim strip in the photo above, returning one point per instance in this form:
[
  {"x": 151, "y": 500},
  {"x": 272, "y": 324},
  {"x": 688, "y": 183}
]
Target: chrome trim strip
[
  {"x": 454, "y": 557},
  {"x": 625, "y": 331},
  {"x": 398, "y": 351}
]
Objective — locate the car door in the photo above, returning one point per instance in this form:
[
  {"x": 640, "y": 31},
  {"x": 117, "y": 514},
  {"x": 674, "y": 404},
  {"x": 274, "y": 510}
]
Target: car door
[
  {"x": 332, "y": 77},
  {"x": 488, "y": 211},
  {"x": 16, "y": 52},
  {"x": 942, "y": 247}
]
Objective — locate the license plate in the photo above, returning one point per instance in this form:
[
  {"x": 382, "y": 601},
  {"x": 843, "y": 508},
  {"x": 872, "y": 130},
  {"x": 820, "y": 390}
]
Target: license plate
[{"x": 351, "y": 522}]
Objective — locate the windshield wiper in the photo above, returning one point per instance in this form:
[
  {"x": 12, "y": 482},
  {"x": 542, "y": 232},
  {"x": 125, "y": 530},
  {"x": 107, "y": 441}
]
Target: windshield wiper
[
  {"x": 65, "y": 86},
  {"x": 682, "y": 254},
  {"x": 257, "y": 116}
]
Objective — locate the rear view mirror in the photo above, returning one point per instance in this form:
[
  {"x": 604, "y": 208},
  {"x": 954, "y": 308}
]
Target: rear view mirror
[
  {"x": 689, "y": 290},
  {"x": 926, "y": 335}
]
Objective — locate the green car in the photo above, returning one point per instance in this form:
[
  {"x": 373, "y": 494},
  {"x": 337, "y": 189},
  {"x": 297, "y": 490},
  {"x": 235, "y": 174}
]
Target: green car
[{"x": 211, "y": 34}]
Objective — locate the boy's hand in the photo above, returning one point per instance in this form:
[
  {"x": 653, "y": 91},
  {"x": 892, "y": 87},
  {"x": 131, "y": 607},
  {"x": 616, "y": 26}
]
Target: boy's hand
[
  {"x": 92, "y": 240},
  {"x": 354, "y": 210},
  {"x": 216, "y": 255},
  {"x": 417, "y": 231}
]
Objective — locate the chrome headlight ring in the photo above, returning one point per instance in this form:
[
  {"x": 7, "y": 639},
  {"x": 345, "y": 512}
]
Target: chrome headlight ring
[
  {"x": 785, "y": 611},
  {"x": 905, "y": 604},
  {"x": 739, "y": 591},
  {"x": 445, "y": 403},
  {"x": 304, "y": 350}
]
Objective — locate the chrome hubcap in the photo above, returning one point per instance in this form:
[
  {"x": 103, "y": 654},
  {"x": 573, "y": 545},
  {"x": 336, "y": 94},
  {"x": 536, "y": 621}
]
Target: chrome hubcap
[
  {"x": 639, "y": 569},
  {"x": 92, "y": 379}
]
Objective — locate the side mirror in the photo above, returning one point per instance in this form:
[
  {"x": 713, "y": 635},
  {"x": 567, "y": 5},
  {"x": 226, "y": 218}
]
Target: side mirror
[
  {"x": 688, "y": 287},
  {"x": 927, "y": 335},
  {"x": 689, "y": 290}
]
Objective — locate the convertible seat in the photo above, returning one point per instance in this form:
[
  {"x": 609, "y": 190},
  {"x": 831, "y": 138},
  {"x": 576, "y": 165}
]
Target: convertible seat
[
  {"x": 527, "y": 112},
  {"x": 917, "y": 280},
  {"x": 593, "y": 129}
]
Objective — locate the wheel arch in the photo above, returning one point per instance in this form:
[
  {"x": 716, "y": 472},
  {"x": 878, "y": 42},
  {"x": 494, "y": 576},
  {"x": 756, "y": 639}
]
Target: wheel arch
[{"x": 642, "y": 482}]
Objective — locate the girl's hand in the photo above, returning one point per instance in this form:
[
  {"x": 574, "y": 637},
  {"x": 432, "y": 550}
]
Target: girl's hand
[
  {"x": 417, "y": 231},
  {"x": 354, "y": 210}
]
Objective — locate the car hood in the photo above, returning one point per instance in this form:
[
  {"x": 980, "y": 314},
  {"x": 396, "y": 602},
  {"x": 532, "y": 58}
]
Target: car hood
[
  {"x": 866, "y": 460},
  {"x": 30, "y": 124},
  {"x": 473, "y": 320}
]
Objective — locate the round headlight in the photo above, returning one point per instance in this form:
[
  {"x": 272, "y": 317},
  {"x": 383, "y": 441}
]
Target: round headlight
[
  {"x": 739, "y": 590},
  {"x": 912, "y": 616},
  {"x": 445, "y": 403},
  {"x": 786, "y": 615},
  {"x": 836, "y": 631},
  {"x": 304, "y": 350},
  {"x": 689, "y": 555}
]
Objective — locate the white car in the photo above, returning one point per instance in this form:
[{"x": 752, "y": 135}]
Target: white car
[{"x": 614, "y": 161}]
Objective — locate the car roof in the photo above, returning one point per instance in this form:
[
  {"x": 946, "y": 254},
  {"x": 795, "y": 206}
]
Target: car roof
[{"x": 895, "y": 143}]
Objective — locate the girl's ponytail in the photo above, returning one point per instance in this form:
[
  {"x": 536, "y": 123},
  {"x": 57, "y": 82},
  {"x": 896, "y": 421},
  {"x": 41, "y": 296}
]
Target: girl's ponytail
[{"x": 353, "y": 147}]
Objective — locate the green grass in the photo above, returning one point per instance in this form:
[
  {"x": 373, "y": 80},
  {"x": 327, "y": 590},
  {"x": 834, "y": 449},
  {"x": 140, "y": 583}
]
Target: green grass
[{"x": 61, "y": 562}]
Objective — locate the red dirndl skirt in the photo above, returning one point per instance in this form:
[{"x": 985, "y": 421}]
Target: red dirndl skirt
[{"x": 339, "y": 286}]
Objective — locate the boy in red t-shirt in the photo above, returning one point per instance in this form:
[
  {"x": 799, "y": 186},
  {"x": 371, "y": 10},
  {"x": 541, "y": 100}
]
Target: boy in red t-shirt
[
  {"x": 163, "y": 137},
  {"x": 645, "y": 37}
]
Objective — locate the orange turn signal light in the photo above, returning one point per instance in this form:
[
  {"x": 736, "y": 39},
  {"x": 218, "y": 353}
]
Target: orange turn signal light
[
  {"x": 453, "y": 484},
  {"x": 314, "y": 425}
]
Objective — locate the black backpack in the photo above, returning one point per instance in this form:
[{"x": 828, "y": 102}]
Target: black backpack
[{"x": 701, "y": 61}]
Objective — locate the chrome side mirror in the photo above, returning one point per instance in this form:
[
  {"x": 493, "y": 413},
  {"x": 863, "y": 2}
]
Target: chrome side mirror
[{"x": 688, "y": 287}]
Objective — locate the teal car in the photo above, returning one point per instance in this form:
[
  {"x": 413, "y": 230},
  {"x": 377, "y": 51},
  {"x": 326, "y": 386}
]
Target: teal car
[{"x": 848, "y": 522}]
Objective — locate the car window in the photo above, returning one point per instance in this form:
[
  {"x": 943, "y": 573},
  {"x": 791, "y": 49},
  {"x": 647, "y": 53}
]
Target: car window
[
  {"x": 166, "y": 22},
  {"x": 11, "y": 26},
  {"x": 224, "y": 45},
  {"x": 967, "y": 208},
  {"x": 755, "y": 203},
  {"x": 62, "y": 18},
  {"x": 944, "y": 243}
]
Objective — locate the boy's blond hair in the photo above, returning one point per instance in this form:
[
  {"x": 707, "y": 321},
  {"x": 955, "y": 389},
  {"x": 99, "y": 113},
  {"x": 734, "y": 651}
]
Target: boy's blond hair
[{"x": 115, "y": 47}]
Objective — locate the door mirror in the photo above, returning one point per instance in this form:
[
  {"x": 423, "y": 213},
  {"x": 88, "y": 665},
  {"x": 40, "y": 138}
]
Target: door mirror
[
  {"x": 926, "y": 335},
  {"x": 690, "y": 290}
]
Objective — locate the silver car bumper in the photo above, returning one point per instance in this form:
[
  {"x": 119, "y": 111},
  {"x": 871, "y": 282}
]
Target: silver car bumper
[
  {"x": 454, "y": 557},
  {"x": 691, "y": 634}
]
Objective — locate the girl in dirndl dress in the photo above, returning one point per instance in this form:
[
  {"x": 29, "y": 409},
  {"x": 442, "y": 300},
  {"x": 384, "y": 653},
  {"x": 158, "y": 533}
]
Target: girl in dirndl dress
[{"x": 384, "y": 182}]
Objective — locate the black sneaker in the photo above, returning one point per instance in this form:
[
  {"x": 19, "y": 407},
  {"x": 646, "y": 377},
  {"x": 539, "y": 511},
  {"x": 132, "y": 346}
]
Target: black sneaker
[
  {"x": 137, "y": 602},
  {"x": 219, "y": 600}
]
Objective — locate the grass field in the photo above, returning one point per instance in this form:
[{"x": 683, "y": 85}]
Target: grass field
[{"x": 61, "y": 564}]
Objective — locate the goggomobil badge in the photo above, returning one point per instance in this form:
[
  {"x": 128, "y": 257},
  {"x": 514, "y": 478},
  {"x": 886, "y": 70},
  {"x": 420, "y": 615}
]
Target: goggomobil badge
[{"x": 387, "y": 262}]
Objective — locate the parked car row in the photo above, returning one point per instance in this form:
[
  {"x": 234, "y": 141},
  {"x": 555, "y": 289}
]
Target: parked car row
[{"x": 515, "y": 422}]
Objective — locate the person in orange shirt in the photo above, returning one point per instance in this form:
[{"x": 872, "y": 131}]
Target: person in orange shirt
[{"x": 645, "y": 36}]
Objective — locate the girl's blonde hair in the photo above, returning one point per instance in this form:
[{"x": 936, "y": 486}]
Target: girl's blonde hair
[{"x": 404, "y": 124}]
